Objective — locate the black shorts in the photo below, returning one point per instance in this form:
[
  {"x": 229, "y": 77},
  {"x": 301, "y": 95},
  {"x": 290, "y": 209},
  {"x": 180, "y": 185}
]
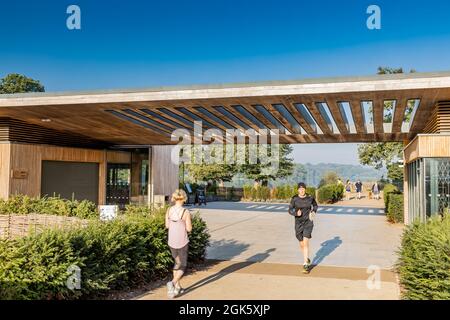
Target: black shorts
[{"x": 303, "y": 229}]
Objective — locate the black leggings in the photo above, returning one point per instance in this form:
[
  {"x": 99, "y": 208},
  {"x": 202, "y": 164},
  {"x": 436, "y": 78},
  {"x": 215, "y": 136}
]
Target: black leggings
[{"x": 180, "y": 256}]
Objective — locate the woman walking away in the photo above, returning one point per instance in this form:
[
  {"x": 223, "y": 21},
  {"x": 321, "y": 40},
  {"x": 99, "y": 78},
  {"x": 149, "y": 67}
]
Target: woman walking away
[
  {"x": 348, "y": 189},
  {"x": 178, "y": 221},
  {"x": 376, "y": 190},
  {"x": 303, "y": 207}
]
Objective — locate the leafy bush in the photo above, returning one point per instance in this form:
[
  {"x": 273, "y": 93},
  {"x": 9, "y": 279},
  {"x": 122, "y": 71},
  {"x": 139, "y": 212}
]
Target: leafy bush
[
  {"x": 311, "y": 191},
  {"x": 330, "y": 193},
  {"x": 247, "y": 191},
  {"x": 22, "y": 204},
  {"x": 338, "y": 192},
  {"x": 263, "y": 193},
  {"x": 111, "y": 255},
  {"x": 388, "y": 188},
  {"x": 326, "y": 194},
  {"x": 424, "y": 260},
  {"x": 395, "y": 209}
]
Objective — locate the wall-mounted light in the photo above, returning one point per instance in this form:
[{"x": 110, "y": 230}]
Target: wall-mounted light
[{"x": 46, "y": 120}]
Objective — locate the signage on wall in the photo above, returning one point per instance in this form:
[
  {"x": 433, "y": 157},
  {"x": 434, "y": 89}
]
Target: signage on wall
[
  {"x": 19, "y": 173},
  {"x": 108, "y": 212}
]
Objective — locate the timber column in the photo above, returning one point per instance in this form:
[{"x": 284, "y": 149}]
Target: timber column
[
  {"x": 164, "y": 172},
  {"x": 405, "y": 185}
]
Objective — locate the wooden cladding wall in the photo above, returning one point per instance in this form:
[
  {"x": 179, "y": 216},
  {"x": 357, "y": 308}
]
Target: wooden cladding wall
[
  {"x": 164, "y": 176},
  {"x": 13, "y": 130},
  {"x": 440, "y": 119},
  {"x": 427, "y": 146},
  {"x": 26, "y": 160},
  {"x": 5, "y": 156}
]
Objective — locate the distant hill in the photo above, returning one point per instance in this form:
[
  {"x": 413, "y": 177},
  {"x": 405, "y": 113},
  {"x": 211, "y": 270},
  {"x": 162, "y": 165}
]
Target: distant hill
[{"x": 312, "y": 173}]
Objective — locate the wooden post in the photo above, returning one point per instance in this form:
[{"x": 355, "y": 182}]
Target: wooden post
[{"x": 405, "y": 186}]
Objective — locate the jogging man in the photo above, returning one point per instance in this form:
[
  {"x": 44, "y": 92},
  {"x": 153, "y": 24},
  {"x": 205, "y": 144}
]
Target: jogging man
[{"x": 303, "y": 207}]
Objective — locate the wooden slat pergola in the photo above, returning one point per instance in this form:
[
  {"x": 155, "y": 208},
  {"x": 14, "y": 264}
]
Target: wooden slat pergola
[{"x": 308, "y": 111}]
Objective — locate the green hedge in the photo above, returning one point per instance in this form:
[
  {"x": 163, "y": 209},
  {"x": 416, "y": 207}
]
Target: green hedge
[
  {"x": 387, "y": 189},
  {"x": 22, "y": 204},
  {"x": 282, "y": 192},
  {"x": 330, "y": 193},
  {"x": 112, "y": 255},
  {"x": 424, "y": 260},
  {"x": 395, "y": 209}
]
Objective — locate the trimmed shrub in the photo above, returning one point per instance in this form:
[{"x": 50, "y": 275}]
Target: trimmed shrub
[
  {"x": 395, "y": 209},
  {"x": 330, "y": 193},
  {"x": 247, "y": 191},
  {"x": 111, "y": 255},
  {"x": 254, "y": 194},
  {"x": 311, "y": 191},
  {"x": 388, "y": 188},
  {"x": 22, "y": 204},
  {"x": 424, "y": 260},
  {"x": 326, "y": 194}
]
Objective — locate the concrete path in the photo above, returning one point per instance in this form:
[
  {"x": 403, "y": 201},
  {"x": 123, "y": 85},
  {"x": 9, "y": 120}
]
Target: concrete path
[
  {"x": 259, "y": 257},
  {"x": 228, "y": 280}
]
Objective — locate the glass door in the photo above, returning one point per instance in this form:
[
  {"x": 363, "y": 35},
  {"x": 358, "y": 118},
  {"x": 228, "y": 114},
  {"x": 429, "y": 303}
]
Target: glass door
[{"x": 118, "y": 184}]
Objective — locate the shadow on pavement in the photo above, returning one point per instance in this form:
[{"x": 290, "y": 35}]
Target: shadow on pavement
[
  {"x": 326, "y": 248},
  {"x": 230, "y": 269}
]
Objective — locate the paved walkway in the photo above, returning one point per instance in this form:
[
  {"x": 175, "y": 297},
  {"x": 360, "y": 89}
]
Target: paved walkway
[{"x": 254, "y": 254}]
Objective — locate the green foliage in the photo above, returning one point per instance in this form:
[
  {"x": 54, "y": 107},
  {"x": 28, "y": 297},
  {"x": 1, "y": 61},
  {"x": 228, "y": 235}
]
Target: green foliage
[
  {"x": 311, "y": 191},
  {"x": 262, "y": 172},
  {"x": 36, "y": 267},
  {"x": 22, "y": 204},
  {"x": 263, "y": 193},
  {"x": 424, "y": 260},
  {"x": 247, "y": 191},
  {"x": 198, "y": 239},
  {"x": 395, "y": 173},
  {"x": 282, "y": 192},
  {"x": 17, "y": 83},
  {"x": 395, "y": 208},
  {"x": 380, "y": 154},
  {"x": 330, "y": 193},
  {"x": 111, "y": 255},
  {"x": 329, "y": 177},
  {"x": 387, "y": 189}
]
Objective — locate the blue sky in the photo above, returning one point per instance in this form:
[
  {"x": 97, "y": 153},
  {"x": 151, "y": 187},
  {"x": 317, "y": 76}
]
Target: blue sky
[{"x": 128, "y": 44}]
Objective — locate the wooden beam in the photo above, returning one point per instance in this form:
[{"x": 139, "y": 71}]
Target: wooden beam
[
  {"x": 399, "y": 113},
  {"x": 336, "y": 112},
  {"x": 377, "y": 111},
  {"x": 355, "y": 106},
  {"x": 314, "y": 111},
  {"x": 424, "y": 110},
  {"x": 289, "y": 104},
  {"x": 267, "y": 123}
]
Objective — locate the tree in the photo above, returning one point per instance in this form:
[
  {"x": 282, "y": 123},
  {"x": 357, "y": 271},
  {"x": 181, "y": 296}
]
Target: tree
[
  {"x": 204, "y": 170},
  {"x": 260, "y": 172},
  {"x": 17, "y": 83},
  {"x": 329, "y": 177},
  {"x": 385, "y": 154},
  {"x": 210, "y": 172}
]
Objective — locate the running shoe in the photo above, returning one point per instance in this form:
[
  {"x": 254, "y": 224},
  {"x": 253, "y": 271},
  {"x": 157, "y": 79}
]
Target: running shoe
[
  {"x": 305, "y": 268},
  {"x": 178, "y": 291},
  {"x": 170, "y": 290}
]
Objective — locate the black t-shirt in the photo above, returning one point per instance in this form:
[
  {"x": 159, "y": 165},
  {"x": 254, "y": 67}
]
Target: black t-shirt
[{"x": 305, "y": 204}]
